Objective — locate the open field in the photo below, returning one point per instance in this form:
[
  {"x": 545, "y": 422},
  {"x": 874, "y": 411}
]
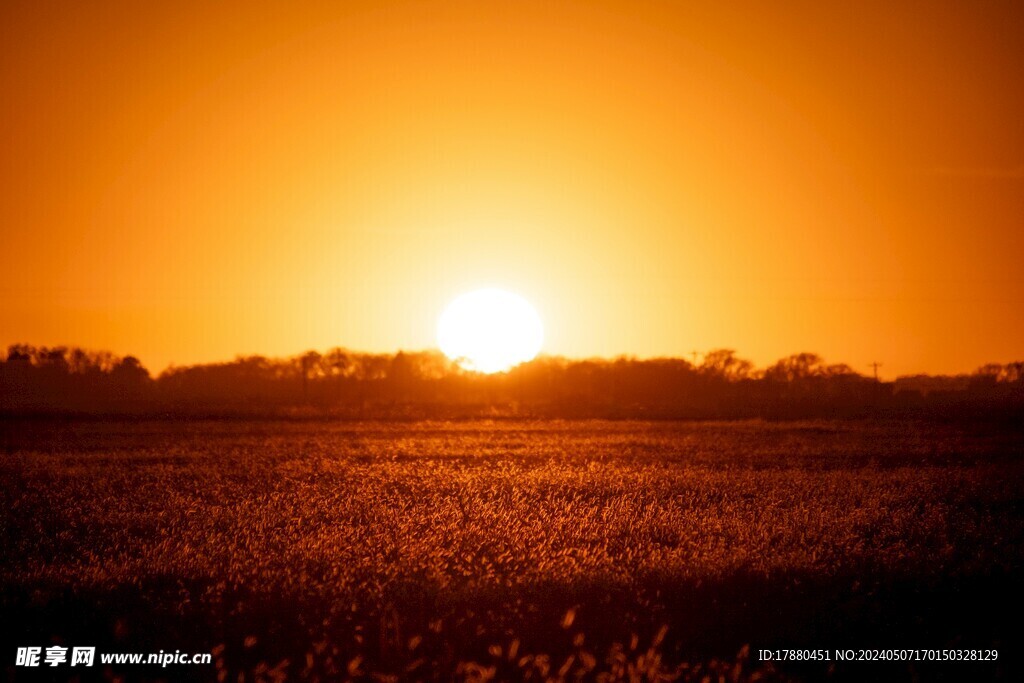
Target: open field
[{"x": 312, "y": 550}]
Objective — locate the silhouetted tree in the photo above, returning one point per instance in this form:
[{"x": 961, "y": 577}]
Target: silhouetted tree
[
  {"x": 725, "y": 364},
  {"x": 795, "y": 368},
  {"x": 429, "y": 384}
]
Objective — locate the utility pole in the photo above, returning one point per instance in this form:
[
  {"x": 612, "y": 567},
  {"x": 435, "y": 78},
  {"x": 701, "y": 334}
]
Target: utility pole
[
  {"x": 694, "y": 354},
  {"x": 875, "y": 365},
  {"x": 305, "y": 378}
]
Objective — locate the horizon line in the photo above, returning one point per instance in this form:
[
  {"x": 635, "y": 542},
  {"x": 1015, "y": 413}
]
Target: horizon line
[{"x": 540, "y": 356}]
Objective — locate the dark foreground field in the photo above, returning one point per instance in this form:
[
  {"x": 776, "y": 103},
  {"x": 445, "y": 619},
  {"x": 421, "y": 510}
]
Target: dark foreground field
[{"x": 537, "y": 550}]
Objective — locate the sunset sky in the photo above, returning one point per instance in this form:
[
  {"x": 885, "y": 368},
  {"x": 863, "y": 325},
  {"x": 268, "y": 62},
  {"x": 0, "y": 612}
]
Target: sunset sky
[{"x": 191, "y": 181}]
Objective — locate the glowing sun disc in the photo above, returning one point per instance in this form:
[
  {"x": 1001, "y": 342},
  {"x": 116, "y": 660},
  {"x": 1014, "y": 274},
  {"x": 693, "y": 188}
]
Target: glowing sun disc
[{"x": 490, "y": 330}]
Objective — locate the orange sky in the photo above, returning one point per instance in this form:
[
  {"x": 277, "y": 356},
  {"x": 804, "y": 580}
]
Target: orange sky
[{"x": 197, "y": 180}]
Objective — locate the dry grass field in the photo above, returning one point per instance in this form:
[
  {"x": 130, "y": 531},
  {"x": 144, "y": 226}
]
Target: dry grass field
[{"x": 513, "y": 550}]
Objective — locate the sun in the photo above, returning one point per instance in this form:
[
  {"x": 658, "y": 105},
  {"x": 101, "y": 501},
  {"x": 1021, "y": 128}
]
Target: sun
[{"x": 490, "y": 330}]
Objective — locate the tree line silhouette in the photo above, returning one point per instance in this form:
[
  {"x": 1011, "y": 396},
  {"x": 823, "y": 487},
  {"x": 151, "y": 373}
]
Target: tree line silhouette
[{"x": 426, "y": 384}]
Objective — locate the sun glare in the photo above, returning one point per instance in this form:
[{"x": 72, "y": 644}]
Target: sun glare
[{"x": 490, "y": 330}]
